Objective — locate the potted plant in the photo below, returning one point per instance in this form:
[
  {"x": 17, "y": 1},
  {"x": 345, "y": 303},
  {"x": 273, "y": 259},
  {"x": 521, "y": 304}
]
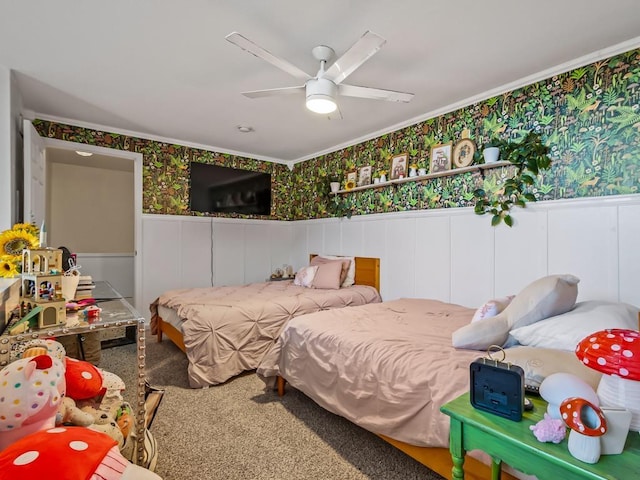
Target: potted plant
[
  {"x": 383, "y": 176},
  {"x": 413, "y": 170},
  {"x": 491, "y": 150},
  {"x": 530, "y": 157},
  {"x": 334, "y": 183}
]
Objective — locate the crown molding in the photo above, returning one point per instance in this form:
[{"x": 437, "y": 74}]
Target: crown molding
[
  {"x": 31, "y": 115},
  {"x": 522, "y": 82}
]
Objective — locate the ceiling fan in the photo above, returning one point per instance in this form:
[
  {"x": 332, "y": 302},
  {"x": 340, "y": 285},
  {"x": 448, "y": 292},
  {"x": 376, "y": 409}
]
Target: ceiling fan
[{"x": 322, "y": 89}]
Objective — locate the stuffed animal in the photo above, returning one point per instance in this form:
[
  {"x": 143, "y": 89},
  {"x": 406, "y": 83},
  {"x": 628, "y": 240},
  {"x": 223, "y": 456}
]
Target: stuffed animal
[
  {"x": 31, "y": 390},
  {"x": 84, "y": 380},
  {"x": 41, "y": 346},
  {"x": 65, "y": 453},
  {"x": 106, "y": 424},
  {"x": 70, "y": 414},
  {"x": 32, "y": 447},
  {"x": 125, "y": 419},
  {"x": 549, "y": 429}
]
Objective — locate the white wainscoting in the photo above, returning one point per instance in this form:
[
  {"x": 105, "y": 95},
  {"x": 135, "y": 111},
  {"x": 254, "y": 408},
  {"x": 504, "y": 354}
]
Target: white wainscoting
[
  {"x": 115, "y": 268},
  {"x": 456, "y": 256},
  {"x": 185, "y": 252},
  {"x": 450, "y": 254}
]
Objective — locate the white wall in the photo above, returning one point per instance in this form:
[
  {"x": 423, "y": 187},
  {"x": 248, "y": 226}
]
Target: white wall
[
  {"x": 90, "y": 209},
  {"x": 116, "y": 268},
  {"x": 456, "y": 256},
  {"x": 450, "y": 254},
  {"x": 10, "y": 149},
  {"x": 182, "y": 252}
]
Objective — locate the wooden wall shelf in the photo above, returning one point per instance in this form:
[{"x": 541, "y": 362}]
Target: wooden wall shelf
[{"x": 447, "y": 173}]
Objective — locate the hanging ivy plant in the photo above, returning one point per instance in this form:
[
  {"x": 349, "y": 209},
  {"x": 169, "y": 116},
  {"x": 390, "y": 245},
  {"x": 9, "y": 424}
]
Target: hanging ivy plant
[
  {"x": 530, "y": 157},
  {"x": 340, "y": 205}
]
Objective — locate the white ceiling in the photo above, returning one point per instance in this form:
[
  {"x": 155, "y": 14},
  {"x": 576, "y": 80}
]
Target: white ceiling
[{"x": 163, "y": 69}]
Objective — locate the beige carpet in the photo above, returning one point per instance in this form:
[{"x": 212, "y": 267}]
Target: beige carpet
[{"x": 239, "y": 431}]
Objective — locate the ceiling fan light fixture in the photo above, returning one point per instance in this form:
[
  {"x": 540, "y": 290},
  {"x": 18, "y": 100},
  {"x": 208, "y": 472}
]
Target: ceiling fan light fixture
[
  {"x": 321, "y": 104},
  {"x": 321, "y": 94}
]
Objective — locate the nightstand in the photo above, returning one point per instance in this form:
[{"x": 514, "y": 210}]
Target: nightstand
[{"x": 514, "y": 444}]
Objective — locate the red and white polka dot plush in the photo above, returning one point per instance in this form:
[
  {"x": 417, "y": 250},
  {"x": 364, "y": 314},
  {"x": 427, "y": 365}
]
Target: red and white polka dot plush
[
  {"x": 30, "y": 391},
  {"x": 69, "y": 453},
  {"x": 615, "y": 353},
  {"x": 30, "y": 445},
  {"x": 84, "y": 380}
]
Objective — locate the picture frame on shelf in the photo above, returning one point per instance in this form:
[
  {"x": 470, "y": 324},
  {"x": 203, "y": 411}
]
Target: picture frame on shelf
[
  {"x": 351, "y": 180},
  {"x": 463, "y": 153},
  {"x": 364, "y": 176},
  {"x": 441, "y": 157},
  {"x": 399, "y": 164}
]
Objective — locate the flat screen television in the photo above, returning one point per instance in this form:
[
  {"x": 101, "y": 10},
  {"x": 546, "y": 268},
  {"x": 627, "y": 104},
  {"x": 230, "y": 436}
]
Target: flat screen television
[{"x": 229, "y": 190}]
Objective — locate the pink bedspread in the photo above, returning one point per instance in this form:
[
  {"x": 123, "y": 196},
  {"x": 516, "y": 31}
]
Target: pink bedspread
[
  {"x": 386, "y": 367},
  {"x": 228, "y": 330}
]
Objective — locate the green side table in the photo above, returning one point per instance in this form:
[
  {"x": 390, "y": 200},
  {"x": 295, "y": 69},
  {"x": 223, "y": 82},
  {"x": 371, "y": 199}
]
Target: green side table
[{"x": 514, "y": 444}]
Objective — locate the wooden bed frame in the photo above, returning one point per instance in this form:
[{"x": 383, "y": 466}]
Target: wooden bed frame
[
  {"x": 434, "y": 458},
  {"x": 367, "y": 273}
]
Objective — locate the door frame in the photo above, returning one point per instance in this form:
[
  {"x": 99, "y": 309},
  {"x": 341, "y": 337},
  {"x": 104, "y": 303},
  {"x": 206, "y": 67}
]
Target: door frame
[{"x": 137, "y": 199}]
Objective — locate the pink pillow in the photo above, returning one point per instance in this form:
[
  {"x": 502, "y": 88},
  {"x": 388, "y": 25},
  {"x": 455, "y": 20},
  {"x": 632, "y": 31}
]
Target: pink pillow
[
  {"x": 318, "y": 260},
  {"x": 328, "y": 276},
  {"x": 304, "y": 277}
]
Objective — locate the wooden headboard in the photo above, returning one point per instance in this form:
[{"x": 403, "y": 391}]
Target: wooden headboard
[{"x": 367, "y": 271}]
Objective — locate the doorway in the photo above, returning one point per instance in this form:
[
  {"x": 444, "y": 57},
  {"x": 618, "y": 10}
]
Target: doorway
[{"x": 93, "y": 206}]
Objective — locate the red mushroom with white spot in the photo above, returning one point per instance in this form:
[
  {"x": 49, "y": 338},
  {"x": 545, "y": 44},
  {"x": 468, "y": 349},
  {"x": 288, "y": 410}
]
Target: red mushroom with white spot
[
  {"x": 69, "y": 452},
  {"x": 587, "y": 424},
  {"x": 615, "y": 353}
]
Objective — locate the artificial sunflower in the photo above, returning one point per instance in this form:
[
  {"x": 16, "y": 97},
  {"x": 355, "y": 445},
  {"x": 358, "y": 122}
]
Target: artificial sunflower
[
  {"x": 29, "y": 227},
  {"x": 12, "y": 242},
  {"x": 349, "y": 185},
  {"x": 8, "y": 266}
]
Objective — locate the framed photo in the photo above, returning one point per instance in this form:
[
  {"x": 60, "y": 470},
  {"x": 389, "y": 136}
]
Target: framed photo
[
  {"x": 399, "y": 165},
  {"x": 441, "y": 157},
  {"x": 463, "y": 153},
  {"x": 364, "y": 176},
  {"x": 351, "y": 180}
]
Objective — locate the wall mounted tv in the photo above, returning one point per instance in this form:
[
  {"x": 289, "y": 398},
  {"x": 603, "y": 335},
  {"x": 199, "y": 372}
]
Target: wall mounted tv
[{"x": 229, "y": 190}]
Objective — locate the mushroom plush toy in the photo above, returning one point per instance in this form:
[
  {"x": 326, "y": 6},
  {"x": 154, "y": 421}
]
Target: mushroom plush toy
[
  {"x": 32, "y": 447},
  {"x": 587, "y": 424},
  {"x": 68, "y": 453},
  {"x": 615, "y": 353}
]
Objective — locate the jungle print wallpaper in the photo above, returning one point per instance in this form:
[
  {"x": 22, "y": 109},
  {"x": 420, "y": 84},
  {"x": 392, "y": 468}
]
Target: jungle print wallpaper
[
  {"x": 589, "y": 117},
  {"x": 165, "y": 171}
]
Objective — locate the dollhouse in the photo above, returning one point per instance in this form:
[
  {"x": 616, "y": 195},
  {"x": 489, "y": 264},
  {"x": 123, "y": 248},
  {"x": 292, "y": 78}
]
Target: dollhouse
[{"x": 42, "y": 286}]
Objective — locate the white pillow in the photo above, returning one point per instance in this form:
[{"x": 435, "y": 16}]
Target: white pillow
[
  {"x": 564, "y": 332},
  {"x": 492, "y": 308},
  {"x": 539, "y": 363},
  {"x": 351, "y": 273},
  {"x": 304, "y": 277},
  {"x": 545, "y": 297}
]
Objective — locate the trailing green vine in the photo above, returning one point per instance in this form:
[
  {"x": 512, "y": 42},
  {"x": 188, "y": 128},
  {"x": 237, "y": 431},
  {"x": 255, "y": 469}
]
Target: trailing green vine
[{"x": 530, "y": 157}]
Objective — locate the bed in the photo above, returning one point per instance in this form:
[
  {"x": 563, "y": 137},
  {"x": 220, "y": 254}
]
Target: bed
[
  {"x": 227, "y": 330},
  {"x": 389, "y": 367}
]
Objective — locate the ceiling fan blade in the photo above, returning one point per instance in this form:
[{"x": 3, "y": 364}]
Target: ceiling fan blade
[
  {"x": 246, "y": 44},
  {"x": 274, "y": 92},
  {"x": 374, "y": 93},
  {"x": 361, "y": 51},
  {"x": 335, "y": 115}
]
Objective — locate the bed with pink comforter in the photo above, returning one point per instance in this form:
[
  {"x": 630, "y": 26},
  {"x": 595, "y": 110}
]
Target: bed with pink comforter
[
  {"x": 228, "y": 330},
  {"x": 386, "y": 367}
]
